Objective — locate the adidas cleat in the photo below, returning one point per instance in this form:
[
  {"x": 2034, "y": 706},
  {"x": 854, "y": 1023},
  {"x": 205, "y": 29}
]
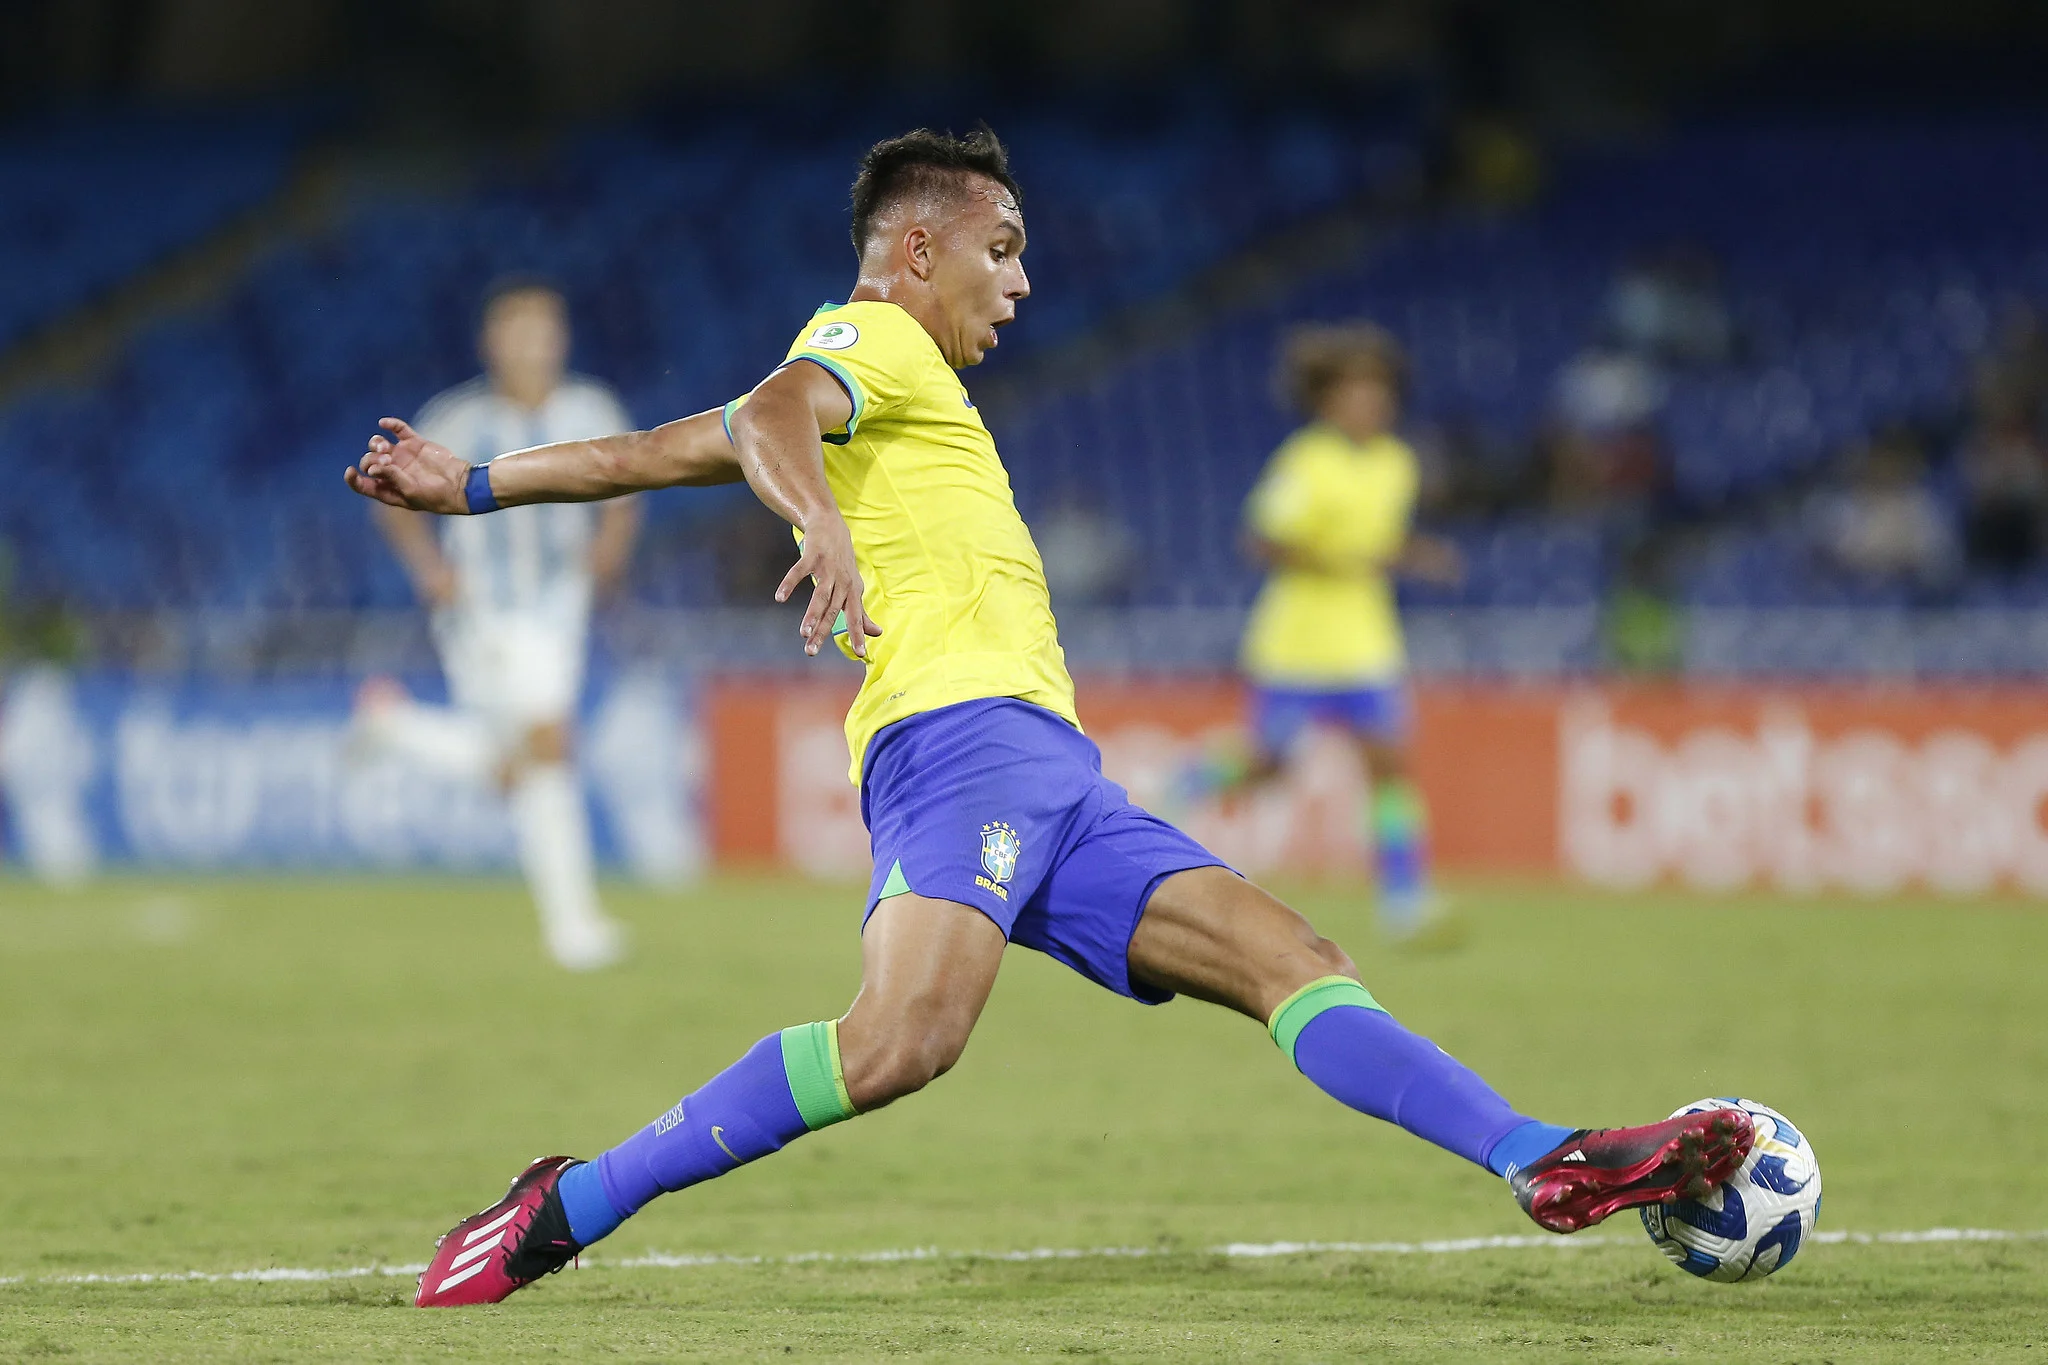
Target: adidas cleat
[
  {"x": 1597, "y": 1172},
  {"x": 512, "y": 1243}
]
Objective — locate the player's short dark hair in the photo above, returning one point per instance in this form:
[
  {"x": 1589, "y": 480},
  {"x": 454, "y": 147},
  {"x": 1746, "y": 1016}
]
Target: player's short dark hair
[
  {"x": 508, "y": 285},
  {"x": 1314, "y": 358},
  {"x": 920, "y": 162}
]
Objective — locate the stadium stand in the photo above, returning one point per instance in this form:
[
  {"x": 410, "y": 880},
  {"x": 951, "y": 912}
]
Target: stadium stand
[
  {"x": 1853, "y": 277},
  {"x": 86, "y": 202},
  {"x": 1864, "y": 271},
  {"x": 280, "y": 380}
]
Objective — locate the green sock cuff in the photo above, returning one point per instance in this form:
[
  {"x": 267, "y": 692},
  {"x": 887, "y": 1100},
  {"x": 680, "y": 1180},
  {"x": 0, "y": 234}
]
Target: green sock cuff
[
  {"x": 817, "y": 1082},
  {"x": 1227, "y": 767},
  {"x": 1397, "y": 808},
  {"x": 1324, "y": 993}
]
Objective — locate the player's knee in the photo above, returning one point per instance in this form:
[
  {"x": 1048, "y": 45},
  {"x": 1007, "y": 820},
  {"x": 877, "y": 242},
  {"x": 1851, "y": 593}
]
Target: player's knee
[
  {"x": 901, "y": 1063},
  {"x": 1336, "y": 962},
  {"x": 1386, "y": 762},
  {"x": 547, "y": 742}
]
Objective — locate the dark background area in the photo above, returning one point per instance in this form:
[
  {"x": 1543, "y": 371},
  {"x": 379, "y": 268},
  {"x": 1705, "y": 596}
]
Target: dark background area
[{"x": 1566, "y": 63}]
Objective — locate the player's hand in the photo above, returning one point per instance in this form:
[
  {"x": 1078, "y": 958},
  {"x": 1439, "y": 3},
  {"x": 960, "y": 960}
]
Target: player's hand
[
  {"x": 408, "y": 470},
  {"x": 827, "y": 560}
]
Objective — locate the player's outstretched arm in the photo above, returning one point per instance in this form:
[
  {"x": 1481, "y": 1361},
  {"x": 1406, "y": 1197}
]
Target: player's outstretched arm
[
  {"x": 404, "y": 469},
  {"x": 775, "y": 436}
]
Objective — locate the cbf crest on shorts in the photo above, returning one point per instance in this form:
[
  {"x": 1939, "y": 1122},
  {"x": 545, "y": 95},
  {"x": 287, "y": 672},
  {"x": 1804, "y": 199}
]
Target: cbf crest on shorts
[{"x": 1000, "y": 848}]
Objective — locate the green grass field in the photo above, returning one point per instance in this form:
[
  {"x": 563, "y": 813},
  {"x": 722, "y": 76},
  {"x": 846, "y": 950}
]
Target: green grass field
[{"x": 220, "y": 1076}]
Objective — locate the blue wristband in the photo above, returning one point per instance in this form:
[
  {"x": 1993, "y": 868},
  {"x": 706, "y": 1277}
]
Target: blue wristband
[{"x": 476, "y": 490}]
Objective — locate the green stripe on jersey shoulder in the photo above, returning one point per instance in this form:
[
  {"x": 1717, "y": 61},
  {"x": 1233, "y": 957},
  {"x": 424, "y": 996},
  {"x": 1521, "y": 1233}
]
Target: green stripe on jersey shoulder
[
  {"x": 1324, "y": 993},
  {"x": 817, "y": 1082},
  {"x": 854, "y": 393}
]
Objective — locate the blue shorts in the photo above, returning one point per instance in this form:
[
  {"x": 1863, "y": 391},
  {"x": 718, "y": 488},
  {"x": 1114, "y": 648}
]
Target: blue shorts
[
  {"x": 1002, "y": 805},
  {"x": 1378, "y": 712}
]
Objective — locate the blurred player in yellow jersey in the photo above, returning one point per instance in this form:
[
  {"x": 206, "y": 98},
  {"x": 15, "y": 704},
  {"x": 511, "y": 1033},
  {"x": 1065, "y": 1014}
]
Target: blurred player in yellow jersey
[{"x": 1330, "y": 518}]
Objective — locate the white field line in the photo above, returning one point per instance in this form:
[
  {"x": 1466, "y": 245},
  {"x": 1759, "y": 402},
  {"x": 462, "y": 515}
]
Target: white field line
[{"x": 1235, "y": 1250}]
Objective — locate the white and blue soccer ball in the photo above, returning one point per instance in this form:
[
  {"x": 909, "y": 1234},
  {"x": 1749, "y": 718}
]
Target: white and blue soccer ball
[{"x": 1759, "y": 1217}]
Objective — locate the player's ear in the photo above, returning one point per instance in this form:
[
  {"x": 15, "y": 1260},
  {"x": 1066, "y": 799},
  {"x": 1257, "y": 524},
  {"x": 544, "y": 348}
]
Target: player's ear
[{"x": 917, "y": 251}]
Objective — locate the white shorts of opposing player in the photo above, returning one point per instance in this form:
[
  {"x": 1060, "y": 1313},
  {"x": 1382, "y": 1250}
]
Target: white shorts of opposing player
[{"x": 511, "y": 672}]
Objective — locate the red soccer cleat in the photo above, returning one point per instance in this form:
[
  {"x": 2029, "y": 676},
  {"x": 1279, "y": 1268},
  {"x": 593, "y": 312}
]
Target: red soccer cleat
[
  {"x": 1597, "y": 1172},
  {"x": 512, "y": 1243}
]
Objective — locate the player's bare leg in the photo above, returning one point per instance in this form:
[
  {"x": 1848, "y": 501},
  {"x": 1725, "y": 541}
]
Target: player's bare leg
[
  {"x": 448, "y": 742},
  {"x": 927, "y": 967},
  {"x": 1212, "y": 935},
  {"x": 538, "y": 777},
  {"x": 554, "y": 849}
]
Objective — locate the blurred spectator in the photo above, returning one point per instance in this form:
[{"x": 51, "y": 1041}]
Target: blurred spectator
[
  {"x": 1882, "y": 523},
  {"x": 1642, "y": 627},
  {"x": 1087, "y": 552},
  {"x": 1468, "y": 469},
  {"x": 1604, "y": 389},
  {"x": 2005, "y": 486},
  {"x": 2012, "y": 380},
  {"x": 34, "y": 631},
  {"x": 1669, "y": 307},
  {"x": 1612, "y": 474}
]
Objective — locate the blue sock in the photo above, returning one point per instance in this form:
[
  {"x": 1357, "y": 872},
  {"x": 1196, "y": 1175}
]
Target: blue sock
[
  {"x": 1400, "y": 836},
  {"x": 788, "y": 1084},
  {"x": 1517, "y": 1149},
  {"x": 1340, "y": 1038},
  {"x": 591, "y": 1215}
]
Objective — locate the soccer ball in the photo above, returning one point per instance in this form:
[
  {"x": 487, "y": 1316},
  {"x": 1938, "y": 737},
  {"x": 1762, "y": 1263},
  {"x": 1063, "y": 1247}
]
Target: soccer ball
[{"x": 1753, "y": 1224}]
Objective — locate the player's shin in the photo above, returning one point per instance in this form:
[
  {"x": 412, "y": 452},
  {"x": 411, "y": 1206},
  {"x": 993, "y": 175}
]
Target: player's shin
[
  {"x": 788, "y": 1084},
  {"x": 1338, "y": 1036},
  {"x": 1400, "y": 845}
]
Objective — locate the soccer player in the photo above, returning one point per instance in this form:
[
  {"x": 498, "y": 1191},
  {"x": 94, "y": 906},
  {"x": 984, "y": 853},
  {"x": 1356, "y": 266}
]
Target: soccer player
[
  {"x": 1329, "y": 518},
  {"x": 990, "y": 819},
  {"x": 511, "y": 600}
]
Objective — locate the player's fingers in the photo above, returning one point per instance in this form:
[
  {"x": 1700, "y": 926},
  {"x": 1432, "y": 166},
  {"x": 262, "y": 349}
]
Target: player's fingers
[
  {"x": 856, "y": 624},
  {"x": 818, "y": 616},
  {"x": 860, "y": 627},
  {"x": 818, "y": 621},
  {"x": 798, "y": 572},
  {"x": 378, "y": 445},
  {"x": 370, "y": 487},
  {"x": 854, "y": 613},
  {"x": 397, "y": 427}
]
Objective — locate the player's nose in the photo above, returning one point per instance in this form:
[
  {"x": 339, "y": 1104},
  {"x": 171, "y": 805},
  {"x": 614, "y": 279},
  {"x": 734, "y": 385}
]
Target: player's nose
[{"x": 1020, "y": 288}]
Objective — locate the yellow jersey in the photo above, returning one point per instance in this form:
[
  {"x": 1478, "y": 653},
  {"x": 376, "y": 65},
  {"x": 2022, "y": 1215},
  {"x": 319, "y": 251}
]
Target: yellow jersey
[
  {"x": 1345, "y": 507},
  {"x": 950, "y": 571}
]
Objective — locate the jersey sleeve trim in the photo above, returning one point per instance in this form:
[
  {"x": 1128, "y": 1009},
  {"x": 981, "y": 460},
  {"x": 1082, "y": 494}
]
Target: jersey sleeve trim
[
  {"x": 725, "y": 419},
  {"x": 854, "y": 394}
]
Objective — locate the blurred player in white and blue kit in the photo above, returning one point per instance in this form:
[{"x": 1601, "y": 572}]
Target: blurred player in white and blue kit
[{"x": 511, "y": 599}]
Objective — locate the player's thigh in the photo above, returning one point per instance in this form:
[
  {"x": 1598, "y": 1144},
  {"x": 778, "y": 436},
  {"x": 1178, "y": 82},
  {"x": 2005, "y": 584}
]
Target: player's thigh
[
  {"x": 470, "y": 659},
  {"x": 1385, "y": 756},
  {"x": 927, "y": 967},
  {"x": 1278, "y": 716},
  {"x": 542, "y": 658},
  {"x": 1209, "y": 933}
]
